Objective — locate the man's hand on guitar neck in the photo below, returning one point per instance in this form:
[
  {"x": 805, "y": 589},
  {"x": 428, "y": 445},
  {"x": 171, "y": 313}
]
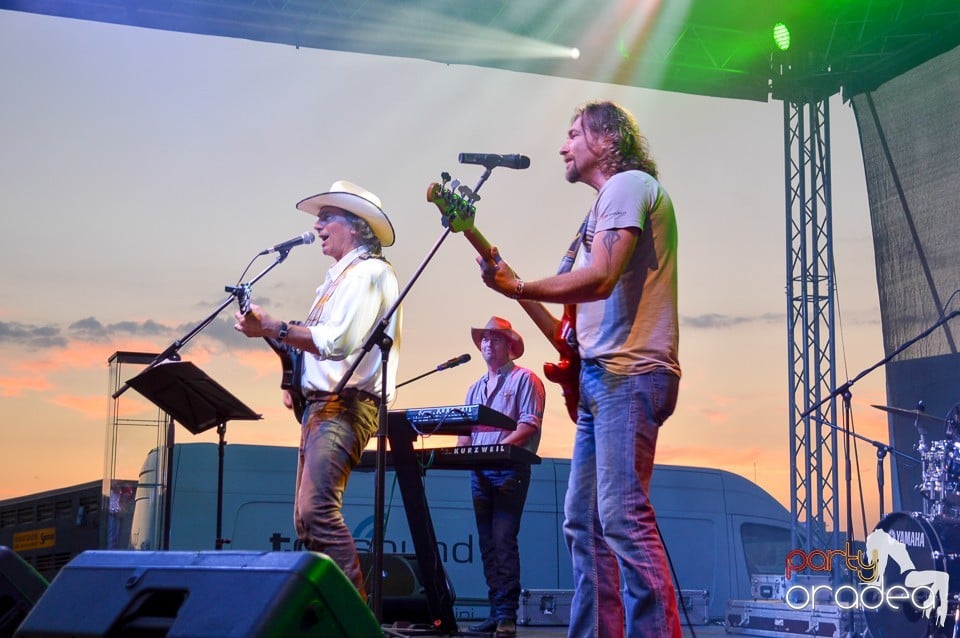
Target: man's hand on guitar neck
[
  {"x": 498, "y": 275},
  {"x": 257, "y": 323}
]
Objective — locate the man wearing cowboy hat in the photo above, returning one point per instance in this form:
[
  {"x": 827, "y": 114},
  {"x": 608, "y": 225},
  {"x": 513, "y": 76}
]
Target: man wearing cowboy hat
[
  {"x": 359, "y": 289},
  {"x": 499, "y": 495}
]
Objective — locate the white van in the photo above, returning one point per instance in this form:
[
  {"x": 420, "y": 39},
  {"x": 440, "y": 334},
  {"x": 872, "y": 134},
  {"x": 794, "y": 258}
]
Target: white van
[{"x": 719, "y": 528}]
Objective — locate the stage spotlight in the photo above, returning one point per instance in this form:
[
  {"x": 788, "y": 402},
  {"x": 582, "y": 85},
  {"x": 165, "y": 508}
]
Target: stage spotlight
[
  {"x": 781, "y": 36},
  {"x": 402, "y": 29},
  {"x": 574, "y": 53}
]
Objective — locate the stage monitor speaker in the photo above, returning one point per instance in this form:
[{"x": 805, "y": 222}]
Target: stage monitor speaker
[
  {"x": 127, "y": 594},
  {"x": 21, "y": 586}
]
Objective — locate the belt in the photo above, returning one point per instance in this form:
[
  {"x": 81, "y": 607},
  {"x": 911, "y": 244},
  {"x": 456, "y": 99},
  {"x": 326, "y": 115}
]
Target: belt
[{"x": 347, "y": 394}]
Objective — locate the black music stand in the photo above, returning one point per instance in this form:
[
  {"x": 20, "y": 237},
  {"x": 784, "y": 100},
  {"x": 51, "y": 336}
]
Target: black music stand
[{"x": 196, "y": 401}]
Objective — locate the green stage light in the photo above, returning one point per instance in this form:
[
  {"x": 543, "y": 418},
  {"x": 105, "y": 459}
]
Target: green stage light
[{"x": 781, "y": 36}]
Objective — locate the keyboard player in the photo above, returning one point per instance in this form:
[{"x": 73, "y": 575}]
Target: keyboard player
[{"x": 499, "y": 495}]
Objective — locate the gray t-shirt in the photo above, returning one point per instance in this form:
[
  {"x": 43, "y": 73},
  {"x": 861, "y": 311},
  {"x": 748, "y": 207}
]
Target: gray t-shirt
[{"x": 635, "y": 330}]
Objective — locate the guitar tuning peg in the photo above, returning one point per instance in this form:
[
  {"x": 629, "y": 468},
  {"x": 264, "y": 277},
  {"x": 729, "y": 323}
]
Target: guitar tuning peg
[{"x": 468, "y": 194}]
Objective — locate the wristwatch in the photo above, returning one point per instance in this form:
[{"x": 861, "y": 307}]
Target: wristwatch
[{"x": 282, "y": 333}]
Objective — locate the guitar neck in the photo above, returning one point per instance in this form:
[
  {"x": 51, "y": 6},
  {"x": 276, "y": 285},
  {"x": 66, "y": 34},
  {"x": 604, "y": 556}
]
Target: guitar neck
[
  {"x": 480, "y": 243},
  {"x": 275, "y": 345},
  {"x": 457, "y": 205},
  {"x": 540, "y": 316}
]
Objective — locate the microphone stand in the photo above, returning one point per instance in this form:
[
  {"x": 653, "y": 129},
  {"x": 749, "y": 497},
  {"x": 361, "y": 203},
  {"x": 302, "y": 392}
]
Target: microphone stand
[
  {"x": 844, "y": 391},
  {"x": 173, "y": 350},
  {"x": 426, "y": 374},
  {"x": 882, "y": 450},
  {"x": 380, "y": 338}
]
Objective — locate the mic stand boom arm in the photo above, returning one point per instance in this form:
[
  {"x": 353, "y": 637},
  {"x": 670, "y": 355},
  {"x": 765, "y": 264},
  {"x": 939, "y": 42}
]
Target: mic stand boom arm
[
  {"x": 443, "y": 366},
  {"x": 845, "y": 387},
  {"x": 173, "y": 350}
]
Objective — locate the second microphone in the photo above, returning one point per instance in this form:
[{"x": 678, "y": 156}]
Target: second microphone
[{"x": 491, "y": 160}]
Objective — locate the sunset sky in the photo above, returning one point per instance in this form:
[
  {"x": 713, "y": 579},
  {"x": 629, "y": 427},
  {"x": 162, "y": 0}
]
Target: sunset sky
[{"x": 144, "y": 169}]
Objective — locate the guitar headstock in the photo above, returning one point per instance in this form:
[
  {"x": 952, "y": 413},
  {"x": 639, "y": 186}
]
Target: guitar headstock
[
  {"x": 455, "y": 201},
  {"x": 242, "y": 293}
]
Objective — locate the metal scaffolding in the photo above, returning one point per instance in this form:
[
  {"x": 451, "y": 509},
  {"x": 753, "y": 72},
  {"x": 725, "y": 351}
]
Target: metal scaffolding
[
  {"x": 133, "y": 433},
  {"x": 810, "y": 324}
]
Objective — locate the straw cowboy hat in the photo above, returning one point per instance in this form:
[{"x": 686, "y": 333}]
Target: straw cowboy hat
[
  {"x": 357, "y": 200},
  {"x": 502, "y": 327}
]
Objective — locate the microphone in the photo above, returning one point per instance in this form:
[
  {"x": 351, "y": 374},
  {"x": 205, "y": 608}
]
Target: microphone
[
  {"x": 306, "y": 238},
  {"x": 454, "y": 362},
  {"x": 490, "y": 160}
]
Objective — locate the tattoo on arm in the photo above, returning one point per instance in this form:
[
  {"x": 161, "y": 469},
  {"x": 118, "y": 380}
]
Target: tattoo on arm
[{"x": 609, "y": 239}]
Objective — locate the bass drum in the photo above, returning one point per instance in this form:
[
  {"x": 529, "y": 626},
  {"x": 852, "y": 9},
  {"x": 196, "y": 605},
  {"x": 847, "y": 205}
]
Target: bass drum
[{"x": 931, "y": 545}]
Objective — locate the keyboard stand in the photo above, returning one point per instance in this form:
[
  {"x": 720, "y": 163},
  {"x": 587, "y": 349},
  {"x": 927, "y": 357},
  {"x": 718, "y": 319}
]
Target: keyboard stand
[{"x": 434, "y": 577}]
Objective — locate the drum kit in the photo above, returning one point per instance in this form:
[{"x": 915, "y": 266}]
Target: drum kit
[{"x": 931, "y": 538}]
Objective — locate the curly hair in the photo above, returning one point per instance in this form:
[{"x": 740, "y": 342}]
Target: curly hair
[{"x": 615, "y": 137}]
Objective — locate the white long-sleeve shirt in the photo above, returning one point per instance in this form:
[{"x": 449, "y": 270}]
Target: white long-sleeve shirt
[{"x": 358, "y": 296}]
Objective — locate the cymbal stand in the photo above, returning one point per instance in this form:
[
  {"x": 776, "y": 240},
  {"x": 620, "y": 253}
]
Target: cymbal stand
[
  {"x": 882, "y": 450},
  {"x": 844, "y": 391}
]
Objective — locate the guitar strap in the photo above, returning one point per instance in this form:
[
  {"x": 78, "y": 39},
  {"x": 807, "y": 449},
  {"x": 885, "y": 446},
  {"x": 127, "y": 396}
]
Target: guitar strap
[
  {"x": 566, "y": 264},
  {"x": 314, "y": 315},
  {"x": 568, "y": 331}
]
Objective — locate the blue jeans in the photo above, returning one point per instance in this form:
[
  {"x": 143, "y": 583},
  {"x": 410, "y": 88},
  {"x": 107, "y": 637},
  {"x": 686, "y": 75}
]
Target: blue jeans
[
  {"x": 332, "y": 438},
  {"x": 498, "y": 499},
  {"x": 610, "y": 526}
]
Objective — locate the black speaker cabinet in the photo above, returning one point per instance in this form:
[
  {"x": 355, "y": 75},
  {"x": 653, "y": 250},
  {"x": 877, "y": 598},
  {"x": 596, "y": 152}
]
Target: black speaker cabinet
[
  {"x": 127, "y": 594},
  {"x": 21, "y": 586}
]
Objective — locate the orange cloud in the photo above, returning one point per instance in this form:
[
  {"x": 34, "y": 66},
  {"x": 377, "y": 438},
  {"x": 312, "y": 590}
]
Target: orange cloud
[
  {"x": 76, "y": 355},
  {"x": 712, "y": 456},
  {"x": 715, "y": 416},
  {"x": 264, "y": 363},
  {"x": 34, "y": 372},
  {"x": 15, "y": 386},
  {"x": 90, "y": 407}
]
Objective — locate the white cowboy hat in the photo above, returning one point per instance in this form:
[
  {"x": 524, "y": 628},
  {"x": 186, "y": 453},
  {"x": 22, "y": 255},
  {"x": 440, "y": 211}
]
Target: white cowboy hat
[
  {"x": 353, "y": 199},
  {"x": 502, "y": 327}
]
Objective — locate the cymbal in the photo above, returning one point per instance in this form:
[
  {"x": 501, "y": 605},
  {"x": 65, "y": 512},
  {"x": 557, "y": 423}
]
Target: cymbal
[{"x": 913, "y": 414}]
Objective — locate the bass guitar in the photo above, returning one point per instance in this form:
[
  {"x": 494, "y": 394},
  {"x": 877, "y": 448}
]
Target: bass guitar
[
  {"x": 458, "y": 210},
  {"x": 291, "y": 359}
]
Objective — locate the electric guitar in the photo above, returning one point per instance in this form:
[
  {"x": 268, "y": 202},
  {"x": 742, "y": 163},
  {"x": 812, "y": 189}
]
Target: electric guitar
[
  {"x": 456, "y": 205},
  {"x": 291, "y": 359}
]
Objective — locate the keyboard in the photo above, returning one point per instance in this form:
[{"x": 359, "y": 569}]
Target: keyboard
[
  {"x": 467, "y": 457},
  {"x": 450, "y": 419}
]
